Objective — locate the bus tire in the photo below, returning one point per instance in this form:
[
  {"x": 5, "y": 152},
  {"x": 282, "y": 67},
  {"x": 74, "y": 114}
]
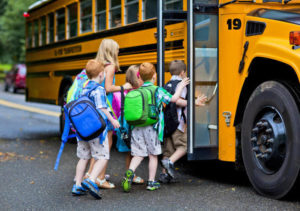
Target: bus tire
[
  {"x": 271, "y": 140},
  {"x": 62, "y": 114}
]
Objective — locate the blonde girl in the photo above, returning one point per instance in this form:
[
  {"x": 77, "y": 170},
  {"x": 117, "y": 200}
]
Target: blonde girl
[{"x": 108, "y": 53}]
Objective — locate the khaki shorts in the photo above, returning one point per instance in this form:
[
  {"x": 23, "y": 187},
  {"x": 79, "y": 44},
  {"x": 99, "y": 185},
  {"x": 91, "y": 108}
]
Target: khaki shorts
[
  {"x": 93, "y": 149},
  {"x": 144, "y": 142},
  {"x": 178, "y": 140}
]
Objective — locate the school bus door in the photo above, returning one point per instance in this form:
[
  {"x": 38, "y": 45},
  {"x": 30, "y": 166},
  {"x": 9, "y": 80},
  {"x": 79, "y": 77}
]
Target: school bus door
[{"x": 202, "y": 67}]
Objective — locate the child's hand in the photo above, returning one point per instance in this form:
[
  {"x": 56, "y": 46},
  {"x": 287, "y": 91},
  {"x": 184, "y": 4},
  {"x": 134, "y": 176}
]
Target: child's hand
[
  {"x": 116, "y": 123},
  {"x": 201, "y": 99},
  {"x": 184, "y": 82},
  {"x": 127, "y": 86}
]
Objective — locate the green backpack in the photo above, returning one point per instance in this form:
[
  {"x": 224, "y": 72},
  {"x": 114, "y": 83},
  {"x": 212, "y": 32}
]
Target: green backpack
[{"x": 140, "y": 106}]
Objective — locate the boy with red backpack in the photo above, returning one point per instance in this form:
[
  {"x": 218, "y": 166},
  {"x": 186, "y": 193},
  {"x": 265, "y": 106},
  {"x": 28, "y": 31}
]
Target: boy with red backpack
[
  {"x": 175, "y": 134},
  {"x": 143, "y": 111}
]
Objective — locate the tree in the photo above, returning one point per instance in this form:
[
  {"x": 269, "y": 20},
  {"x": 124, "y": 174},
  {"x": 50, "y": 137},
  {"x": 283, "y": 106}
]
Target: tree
[
  {"x": 3, "y": 4},
  {"x": 12, "y": 34}
]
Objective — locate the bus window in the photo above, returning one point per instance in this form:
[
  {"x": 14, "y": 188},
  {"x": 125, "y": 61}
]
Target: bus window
[
  {"x": 36, "y": 33},
  {"x": 60, "y": 24},
  {"x": 86, "y": 15},
  {"x": 115, "y": 13},
  {"x": 43, "y": 30},
  {"x": 206, "y": 1},
  {"x": 101, "y": 15},
  {"x": 29, "y": 34},
  {"x": 150, "y": 9},
  {"x": 206, "y": 77},
  {"x": 51, "y": 28},
  {"x": 173, "y": 4},
  {"x": 131, "y": 11},
  {"x": 72, "y": 20}
]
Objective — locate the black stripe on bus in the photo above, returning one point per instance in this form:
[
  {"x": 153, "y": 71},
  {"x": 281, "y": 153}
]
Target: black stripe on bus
[
  {"x": 98, "y": 35},
  {"x": 173, "y": 45}
]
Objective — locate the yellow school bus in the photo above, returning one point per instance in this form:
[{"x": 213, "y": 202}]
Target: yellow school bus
[{"x": 243, "y": 54}]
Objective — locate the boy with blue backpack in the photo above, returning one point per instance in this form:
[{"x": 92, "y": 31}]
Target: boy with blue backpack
[
  {"x": 96, "y": 148},
  {"x": 143, "y": 111}
]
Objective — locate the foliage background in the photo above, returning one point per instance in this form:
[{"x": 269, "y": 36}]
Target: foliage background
[{"x": 12, "y": 30}]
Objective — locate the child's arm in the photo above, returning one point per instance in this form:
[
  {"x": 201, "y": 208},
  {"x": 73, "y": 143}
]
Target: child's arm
[
  {"x": 200, "y": 101},
  {"x": 113, "y": 121},
  {"x": 181, "y": 102},
  {"x": 179, "y": 89}
]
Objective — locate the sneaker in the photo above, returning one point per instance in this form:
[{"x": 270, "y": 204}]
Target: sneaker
[
  {"x": 78, "y": 190},
  {"x": 164, "y": 178},
  {"x": 153, "y": 185},
  {"x": 166, "y": 163},
  {"x": 126, "y": 182},
  {"x": 92, "y": 188}
]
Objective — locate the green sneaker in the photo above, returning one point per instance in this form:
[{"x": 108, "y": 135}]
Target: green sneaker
[
  {"x": 153, "y": 185},
  {"x": 126, "y": 182}
]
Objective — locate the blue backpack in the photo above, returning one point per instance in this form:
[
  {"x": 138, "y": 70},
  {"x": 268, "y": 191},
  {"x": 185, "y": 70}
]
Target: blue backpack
[{"x": 82, "y": 115}]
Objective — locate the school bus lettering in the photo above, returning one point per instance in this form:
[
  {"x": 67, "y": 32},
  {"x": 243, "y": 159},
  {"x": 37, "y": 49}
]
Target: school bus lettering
[{"x": 69, "y": 50}]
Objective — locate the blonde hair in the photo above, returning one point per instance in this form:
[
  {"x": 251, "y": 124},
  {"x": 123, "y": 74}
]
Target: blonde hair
[
  {"x": 131, "y": 75},
  {"x": 147, "y": 70},
  {"x": 93, "y": 68},
  {"x": 108, "y": 52}
]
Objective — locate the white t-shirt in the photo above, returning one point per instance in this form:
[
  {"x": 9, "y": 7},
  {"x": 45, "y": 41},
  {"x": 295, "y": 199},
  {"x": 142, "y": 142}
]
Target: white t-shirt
[{"x": 182, "y": 125}]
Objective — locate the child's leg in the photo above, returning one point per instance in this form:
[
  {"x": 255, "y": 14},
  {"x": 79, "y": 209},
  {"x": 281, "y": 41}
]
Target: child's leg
[
  {"x": 179, "y": 153},
  {"x": 128, "y": 160},
  {"x": 152, "y": 167},
  {"x": 180, "y": 144},
  {"x": 80, "y": 169},
  {"x": 101, "y": 176},
  {"x": 168, "y": 150},
  {"x": 92, "y": 162},
  {"x": 135, "y": 162},
  {"x": 98, "y": 167}
]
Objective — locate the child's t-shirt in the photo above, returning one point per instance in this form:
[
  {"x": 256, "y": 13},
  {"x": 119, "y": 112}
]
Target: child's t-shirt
[
  {"x": 76, "y": 89},
  {"x": 182, "y": 124},
  {"x": 98, "y": 96},
  {"x": 162, "y": 97}
]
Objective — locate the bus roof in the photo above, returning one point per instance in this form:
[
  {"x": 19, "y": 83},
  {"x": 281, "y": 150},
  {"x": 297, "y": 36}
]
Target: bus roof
[{"x": 38, "y": 4}]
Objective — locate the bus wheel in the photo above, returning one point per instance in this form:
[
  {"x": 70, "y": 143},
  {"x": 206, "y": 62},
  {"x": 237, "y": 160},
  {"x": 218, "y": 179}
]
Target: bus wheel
[
  {"x": 271, "y": 140},
  {"x": 63, "y": 100}
]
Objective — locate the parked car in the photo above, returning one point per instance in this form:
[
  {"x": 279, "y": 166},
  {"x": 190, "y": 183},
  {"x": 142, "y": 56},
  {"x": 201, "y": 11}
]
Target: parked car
[{"x": 16, "y": 78}]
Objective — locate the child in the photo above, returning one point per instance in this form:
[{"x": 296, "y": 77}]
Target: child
[
  {"x": 93, "y": 148},
  {"x": 133, "y": 78},
  {"x": 175, "y": 145},
  {"x": 145, "y": 140}
]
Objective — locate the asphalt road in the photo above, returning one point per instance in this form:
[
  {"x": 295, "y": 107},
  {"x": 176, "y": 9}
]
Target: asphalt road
[{"x": 29, "y": 143}]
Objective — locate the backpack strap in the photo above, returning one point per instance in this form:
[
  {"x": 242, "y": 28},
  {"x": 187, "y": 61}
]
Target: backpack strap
[
  {"x": 65, "y": 136},
  {"x": 122, "y": 104},
  {"x": 92, "y": 89},
  {"x": 112, "y": 110}
]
